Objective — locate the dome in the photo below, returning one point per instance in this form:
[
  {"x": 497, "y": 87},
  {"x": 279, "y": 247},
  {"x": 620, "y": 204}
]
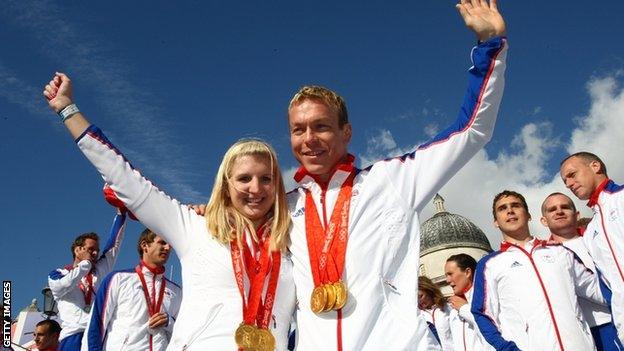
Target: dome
[{"x": 447, "y": 230}]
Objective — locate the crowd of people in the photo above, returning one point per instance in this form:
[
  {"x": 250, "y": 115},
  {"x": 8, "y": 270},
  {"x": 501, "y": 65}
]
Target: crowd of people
[{"x": 332, "y": 265}]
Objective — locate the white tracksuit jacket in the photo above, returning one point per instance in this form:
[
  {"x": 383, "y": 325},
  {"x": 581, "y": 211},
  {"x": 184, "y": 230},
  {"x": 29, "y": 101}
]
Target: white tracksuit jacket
[
  {"x": 604, "y": 238},
  {"x": 73, "y": 312},
  {"x": 441, "y": 321},
  {"x": 119, "y": 317},
  {"x": 525, "y": 298},
  {"x": 212, "y": 307},
  {"x": 381, "y": 263},
  {"x": 595, "y": 314},
  {"x": 464, "y": 330}
]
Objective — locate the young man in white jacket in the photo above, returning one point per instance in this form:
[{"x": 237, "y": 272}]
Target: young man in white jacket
[
  {"x": 560, "y": 216},
  {"x": 525, "y": 294},
  {"x": 74, "y": 285},
  {"x": 586, "y": 176},
  {"x": 135, "y": 308}
]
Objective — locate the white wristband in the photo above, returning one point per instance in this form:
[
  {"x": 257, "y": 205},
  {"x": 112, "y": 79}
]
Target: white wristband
[{"x": 68, "y": 111}]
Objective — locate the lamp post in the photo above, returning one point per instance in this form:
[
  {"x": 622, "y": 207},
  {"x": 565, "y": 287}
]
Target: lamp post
[{"x": 49, "y": 303}]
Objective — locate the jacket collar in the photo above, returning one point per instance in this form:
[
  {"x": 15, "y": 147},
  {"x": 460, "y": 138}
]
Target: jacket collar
[
  {"x": 345, "y": 165},
  {"x": 593, "y": 199}
]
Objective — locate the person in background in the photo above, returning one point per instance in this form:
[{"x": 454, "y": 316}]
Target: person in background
[
  {"x": 559, "y": 215},
  {"x": 436, "y": 311},
  {"x": 136, "y": 308},
  {"x": 74, "y": 286},
  {"x": 459, "y": 271},
  {"x": 46, "y": 335},
  {"x": 585, "y": 174}
]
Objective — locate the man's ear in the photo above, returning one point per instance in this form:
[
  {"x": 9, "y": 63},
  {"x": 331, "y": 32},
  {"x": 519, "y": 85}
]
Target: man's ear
[
  {"x": 544, "y": 222},
  {"x": 595, "y": 166},
  {"x": 347, "y": 132}
]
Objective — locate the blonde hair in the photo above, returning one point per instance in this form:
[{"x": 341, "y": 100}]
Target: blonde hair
[
  {"x": 430, "y": 288},
  {"x": 326, "y": 96},
  {"x": 224, "y": 221}
]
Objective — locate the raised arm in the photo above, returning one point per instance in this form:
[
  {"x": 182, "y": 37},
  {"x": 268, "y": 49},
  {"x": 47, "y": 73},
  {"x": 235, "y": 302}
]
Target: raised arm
[
  {"x": 482, "y": 18},
  {"x": 152, "y": 207},
  {"x": 106, "y": 262}
]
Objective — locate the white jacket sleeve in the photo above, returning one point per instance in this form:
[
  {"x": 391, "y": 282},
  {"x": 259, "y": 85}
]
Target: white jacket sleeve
[
  {"x": 418, "y": 175},
  {"x": 152, "y": 207},
  {"x": 61, "y": 284}
]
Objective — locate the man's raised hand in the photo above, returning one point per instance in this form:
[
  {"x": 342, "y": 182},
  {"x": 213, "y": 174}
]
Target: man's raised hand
[{"x": 482, "y": 18}]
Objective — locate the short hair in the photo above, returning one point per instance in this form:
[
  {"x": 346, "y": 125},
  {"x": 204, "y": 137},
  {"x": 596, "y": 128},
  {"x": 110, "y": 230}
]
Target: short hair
[
  {"x": 80, "y": 241},
  {"x": 587, "y": 157},
  {"x": 463, "y": 261},
  {"x": 326, "y": 96},
  {"x": 430, "y": 288},
  {"x": 506, "y": 193},
  {"x": 557, "y": 193},
  {"x": 147, "y": 236},
  {"x": 53, "y": 326}
]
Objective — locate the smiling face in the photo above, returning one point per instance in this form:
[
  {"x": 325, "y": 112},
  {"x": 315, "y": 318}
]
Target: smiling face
[
  {"x": 459, "y": 280},
  {"x": 560, "y": 216},
  {"x": 317, "y": 140},
  {"x": 581, "y": 176},
  {"x": 511, "y": 217},
  {"x": 251, "y": 187}
]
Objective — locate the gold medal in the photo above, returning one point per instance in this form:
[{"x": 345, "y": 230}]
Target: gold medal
[
  {"x": 245, "y": 335},
  {"x": 318, "y": 299},
  {"x": 341, "y": 294},
  {"x": 331, "y": 297},
  {"x": 264, "y": 340}
]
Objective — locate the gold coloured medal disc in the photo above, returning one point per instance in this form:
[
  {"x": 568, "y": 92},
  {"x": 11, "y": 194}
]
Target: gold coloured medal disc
[
  {"x": 264, "y": 340},
  {"x": 245, "y": 335},
  {"x": 341, "y": 294},
  {"x": 331, "y": 297},
  {"x": 318, "y": 299}
]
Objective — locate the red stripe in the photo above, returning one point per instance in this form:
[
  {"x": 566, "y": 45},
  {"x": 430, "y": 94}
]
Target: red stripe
[
  {"x": 479, "y": 100},
  {"x": 339, "y": 330},
  {"x": 539, "y": 277},
  {"x": 604, "y": 230}
]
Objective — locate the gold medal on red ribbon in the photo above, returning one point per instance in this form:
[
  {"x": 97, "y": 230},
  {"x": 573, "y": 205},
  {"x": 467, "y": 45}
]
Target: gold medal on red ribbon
[
  {"x": 244, "y": 336},
  {"x": 327, "y": 244},
  {"x": 253, "y": 333},
  {"x": 263, "y": 340},
  {"x": 341, "y": 294},
  {"x": 331, "y": 297},
  {"x": 318, "y": 300}
]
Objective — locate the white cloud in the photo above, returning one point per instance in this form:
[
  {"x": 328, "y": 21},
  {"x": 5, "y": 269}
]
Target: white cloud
[
  {"x": 91, "y": 61},
  {"x": 525, "y": 166}
]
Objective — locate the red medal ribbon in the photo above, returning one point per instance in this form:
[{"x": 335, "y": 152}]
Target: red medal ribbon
[
  {"x": 153, "y": 305},
  {"x": 327, "y": 256},
  {"x": 87, "y": 291},
  {"x": 255, "y": 312}
]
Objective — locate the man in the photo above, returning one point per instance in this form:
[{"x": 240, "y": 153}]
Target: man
[
  {"x": 355, "y": 238},
  {"x": 47, "y": 335},
  {"x": 560, "y": 216},
  {"x": 135, "y": 308},
  {"x": 74, "y": 285},
  {"x": 525, "y": 294},
  {"x": 586, "y": 176}
]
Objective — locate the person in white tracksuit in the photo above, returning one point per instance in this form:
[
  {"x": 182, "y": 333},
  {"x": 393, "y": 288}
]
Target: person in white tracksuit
[
  {"x": 526, "y": 294},
  {"x": 379, "y": 214},
  {"x": 74, "y": 286},
  {"x": 560, "y": 216},
  {"x": 585, "y": 174},
  {"x": 135, "y": 309},
  {"x": 436, "y": 311},
  {"x": 243, "y": 236},
  {"x": 459, "y": 270}
]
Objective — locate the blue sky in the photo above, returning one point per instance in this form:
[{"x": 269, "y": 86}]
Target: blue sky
[{"x": 173, "y": 84}]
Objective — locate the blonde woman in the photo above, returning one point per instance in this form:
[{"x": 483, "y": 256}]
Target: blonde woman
[
  {"x": 237, "y": 279},
  {"x": 436, "y": 311}
]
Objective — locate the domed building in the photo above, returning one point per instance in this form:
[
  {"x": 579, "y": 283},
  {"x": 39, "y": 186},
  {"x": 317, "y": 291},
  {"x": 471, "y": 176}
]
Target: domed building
[{"x": 446, "y": 234}]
